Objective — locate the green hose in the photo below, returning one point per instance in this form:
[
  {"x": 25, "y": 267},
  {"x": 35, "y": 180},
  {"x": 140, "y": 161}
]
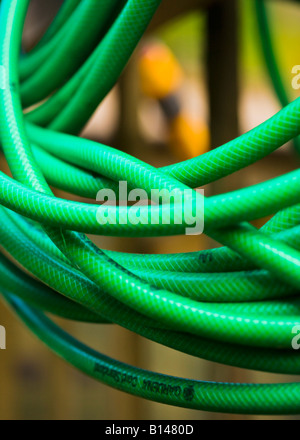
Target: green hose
[
  {"x": 87, "y": 25},
  {"x": 237, "y": 305},
  {"x": 270, "y": 57}
]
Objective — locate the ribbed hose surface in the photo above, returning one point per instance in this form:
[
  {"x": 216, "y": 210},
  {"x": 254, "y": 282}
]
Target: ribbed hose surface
[{"x": 237, "y": 305}]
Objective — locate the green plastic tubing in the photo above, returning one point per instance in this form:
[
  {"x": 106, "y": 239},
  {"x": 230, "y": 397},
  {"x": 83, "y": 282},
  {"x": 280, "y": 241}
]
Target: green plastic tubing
[
  {"x": 237, "y": 304},
  {"x": 88, "y": 22},
  {"x": 270, "y": 57},
  {"x": 49, "y": 41}
]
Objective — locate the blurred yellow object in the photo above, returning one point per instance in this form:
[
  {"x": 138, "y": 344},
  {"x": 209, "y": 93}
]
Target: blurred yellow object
[
  {"x": 160, "y": 72},
  {"x": 188, "y": 138},
  {"x": 161, "y": 78}
]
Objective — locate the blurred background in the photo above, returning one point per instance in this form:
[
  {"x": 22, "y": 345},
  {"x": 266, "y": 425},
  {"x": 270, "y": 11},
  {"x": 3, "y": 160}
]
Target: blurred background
[{"x": 218, "y": 89}]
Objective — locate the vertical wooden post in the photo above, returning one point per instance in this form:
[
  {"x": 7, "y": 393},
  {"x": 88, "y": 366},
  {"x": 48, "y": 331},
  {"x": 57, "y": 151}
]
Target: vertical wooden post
[{"x": 222, "y": 70}]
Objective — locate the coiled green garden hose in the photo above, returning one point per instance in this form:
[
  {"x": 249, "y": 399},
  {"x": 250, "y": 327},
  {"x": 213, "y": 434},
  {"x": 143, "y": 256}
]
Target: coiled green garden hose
[{"x": 237, "y": 305}]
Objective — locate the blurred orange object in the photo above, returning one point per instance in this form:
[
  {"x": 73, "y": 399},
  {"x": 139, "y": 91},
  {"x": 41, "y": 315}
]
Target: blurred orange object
[
  {"x": 161, "y": 78},
  {"x": 188, "y": 138},
  {"x": 160, "y": 72}
]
